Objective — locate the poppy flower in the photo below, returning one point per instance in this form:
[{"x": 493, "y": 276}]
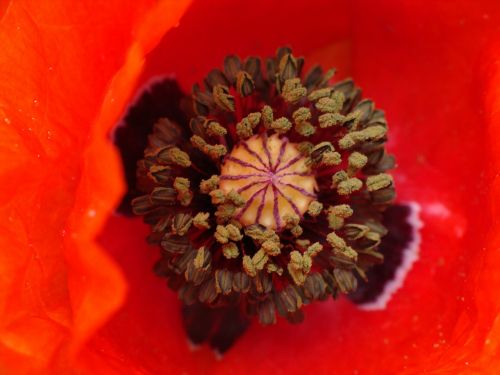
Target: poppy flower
[{"x": 77, "y": 291}]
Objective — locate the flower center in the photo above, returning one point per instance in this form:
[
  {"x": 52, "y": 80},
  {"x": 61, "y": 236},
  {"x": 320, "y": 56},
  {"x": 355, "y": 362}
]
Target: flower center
[
  {"x": 271, "y": 196},
  {"x": 273, "y": 178}
]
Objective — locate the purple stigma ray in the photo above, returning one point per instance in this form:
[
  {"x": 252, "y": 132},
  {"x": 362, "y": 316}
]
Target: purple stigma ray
[
  {"x": 293, "y": 205},
  {"x": 276, "y": 210},
  {"x": 290, "y": 163},
  {"x": 249, "y": 202},
  {"x": 281, "y": 153},
  {"x": 261, "y": 205},
  {"x": 244, "y": 163},
  {"x": 253, "y": 153},
  {"x": 251, "y": 184},
  {"x": 298, "y": 188},
  {"x": 241, "y": 176},
  {"x": 266, "y": 150},
  {"x": 302, "y": 174}
]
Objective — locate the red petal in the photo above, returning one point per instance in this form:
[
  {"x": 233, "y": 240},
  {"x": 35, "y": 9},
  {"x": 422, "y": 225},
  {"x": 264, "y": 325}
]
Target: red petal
[
  {"x": 57, "y": 61},
  {"x": 421, "y": 63}
]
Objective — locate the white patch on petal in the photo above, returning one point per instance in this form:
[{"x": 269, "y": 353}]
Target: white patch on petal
[
  {"x": 440, "y": 211},
  {"x": 437, "y": 209},
  {"x": 409, "y": 257}
]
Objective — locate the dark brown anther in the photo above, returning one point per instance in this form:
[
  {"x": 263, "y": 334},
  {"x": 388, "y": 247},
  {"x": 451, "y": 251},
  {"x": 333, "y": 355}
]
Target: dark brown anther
[
  {"x": 160, "y": 174},
  {"x": 279, "y": 304},
  {"x": 318, "y": 151},
  {"x": 377, "y": 118},
  {"x": 214, "y": 78},
  {"x": 244, "y": 83},
  {"x": 291, "y": 299},
  {"x": 346, "y": 87},
  {"x": 194, "y": 275},
  {"x": 341, "y": 261},
  {"x": 379, "y": 161},
  {"x": 173, "y": 155},
  {"x": 188, "y": 293},
  {"x": 202, "y": 101},
  {"x": 181, "y": 223},
  {"x": 313, "y": 78},
  {"x": 287, "y": 68},
  {"x": 223, "y": 281},
  {"x": 164, "y": 195},
  {"x": 383, "y": 196},
  {"x": 252, "y": 66},
  {"x": 327, "y": 76},
  {"x": 157, "y": 214},
  {"x": 208, "y": 292},
  {"x": 198, "y": 270},
  {"x": 300, "y": 65},
  {"x": 375, "y": 157},
  {"x": 345, "y": 279},
  {"x": 314, "y": 286},
  {"x": 197, "y": 126},
  {"x": 179, "y": 264},
  {"x": 350, "y": 91},
  {"x": 271, "y": 70},
  {"x": 331, "y": 284},
  {"x": 163, "y": 223},
  {"x": 365, "y": 109},
  {"x": 262, "y": 282},
  {"x": 267, "y": 313},
  {"x": 282, "y": 51},
  {"x": 369, "y": 240},
  {"x": 175, "y": 244},
  {"x": 142, "y": 205},
  {"x": 355, "y": 231},
  {"x": 223, "y": 98},
  {"x": 232, "y": 66},
  {"x": 241, "y": 282}
]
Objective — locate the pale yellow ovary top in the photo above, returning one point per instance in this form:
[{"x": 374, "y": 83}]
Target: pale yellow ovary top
[{"x": 272, "y": 176}]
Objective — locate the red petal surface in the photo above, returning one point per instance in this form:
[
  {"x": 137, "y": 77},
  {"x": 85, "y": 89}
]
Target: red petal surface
[
  {"x": 431, "y": 66},
  {"x": 59, "y": 178}
]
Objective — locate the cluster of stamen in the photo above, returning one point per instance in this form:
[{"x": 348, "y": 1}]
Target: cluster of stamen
[{"x": 271, "y": 197}]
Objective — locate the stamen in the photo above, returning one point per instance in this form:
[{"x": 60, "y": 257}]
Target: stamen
[
  {"x": 330, "y": 105},
  {"x": 206, "y": 186},
  {"x": 377, "y": 182},
  {"x": 222, "y": 98},
  {"x": 214, "y": 129},
  {"x": 244, "y": 83},
  {"x": 184, "y": 195},
  {"x": 176, "y": 156},
  {"x": 293, "y": 90},
  {"x": 230, "y": 250},
  {"x": 215, "y": 152},
  {"x": 349, "y": 186},
  {"x": 200, "y": 220},
  {"x": 281, "y": 125},
  {"x": 320, "y": 93},
  {"x": 315, "y": 208}
]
